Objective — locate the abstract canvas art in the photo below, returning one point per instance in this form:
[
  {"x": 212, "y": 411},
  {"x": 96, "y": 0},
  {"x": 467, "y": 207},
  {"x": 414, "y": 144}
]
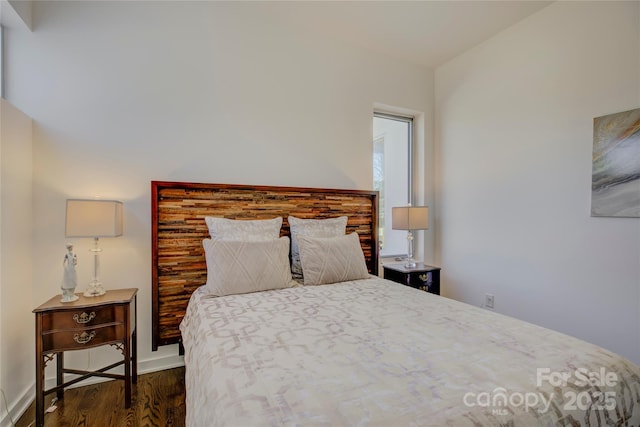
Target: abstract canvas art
[{"x": 615, "y": 183}]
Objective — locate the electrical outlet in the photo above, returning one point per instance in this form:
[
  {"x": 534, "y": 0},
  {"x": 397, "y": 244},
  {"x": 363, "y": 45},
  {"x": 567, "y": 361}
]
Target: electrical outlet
[{"x": 488, "y": 300}]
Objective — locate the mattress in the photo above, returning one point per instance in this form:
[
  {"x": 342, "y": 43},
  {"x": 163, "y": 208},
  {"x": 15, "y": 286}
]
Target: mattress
[{"x": 376, "y": 353}]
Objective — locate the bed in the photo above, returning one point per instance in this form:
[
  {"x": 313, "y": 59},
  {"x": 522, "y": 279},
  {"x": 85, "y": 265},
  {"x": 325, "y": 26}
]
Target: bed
[{"x": 365, "y": 351}]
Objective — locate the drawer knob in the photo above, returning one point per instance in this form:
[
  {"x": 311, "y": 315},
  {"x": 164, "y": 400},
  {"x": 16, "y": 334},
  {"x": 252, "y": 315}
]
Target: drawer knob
[
  {"x": 84, "y": 337},
  {"x": 423, "y": 277},
  {"x": 84, "y": 317}
]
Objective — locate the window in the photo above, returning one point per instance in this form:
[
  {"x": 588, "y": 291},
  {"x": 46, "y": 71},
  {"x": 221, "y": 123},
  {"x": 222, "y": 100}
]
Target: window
[{"x": 392, "y": 176}]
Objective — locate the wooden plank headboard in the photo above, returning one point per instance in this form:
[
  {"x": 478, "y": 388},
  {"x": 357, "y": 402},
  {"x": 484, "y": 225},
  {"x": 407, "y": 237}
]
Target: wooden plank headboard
[{"x": 178, "y": 227}]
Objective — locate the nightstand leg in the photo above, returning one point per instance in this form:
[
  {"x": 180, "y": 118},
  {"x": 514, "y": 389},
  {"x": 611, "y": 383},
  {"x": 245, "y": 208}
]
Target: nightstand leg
[
  {"x": 134, "y": 343},
  {"x": 127, "y": 376},
  {"x": 59, "y": 374},
  {"x": 39, "y": 389},
  {"x": 134, "y": 358},
  {"x": 39, "y": 374},
  {"x": 127, "y": 359}
]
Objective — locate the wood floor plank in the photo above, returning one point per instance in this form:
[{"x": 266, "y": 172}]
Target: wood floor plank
[{"x": 156, "y": 401}]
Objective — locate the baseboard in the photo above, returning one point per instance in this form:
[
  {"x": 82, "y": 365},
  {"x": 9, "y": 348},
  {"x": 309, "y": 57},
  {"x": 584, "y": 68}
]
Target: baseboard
[
  {"x": 20, "y": 406},
  {"x": 17, "y": 408},
  {"x": 160, "y": 364}
]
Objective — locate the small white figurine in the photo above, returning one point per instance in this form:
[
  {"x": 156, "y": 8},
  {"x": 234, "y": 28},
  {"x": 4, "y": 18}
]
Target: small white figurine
[{"x": 70, "y": 278}]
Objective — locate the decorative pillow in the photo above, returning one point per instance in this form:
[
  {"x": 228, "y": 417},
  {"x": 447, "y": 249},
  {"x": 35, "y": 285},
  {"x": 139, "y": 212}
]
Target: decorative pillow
[
  {"x": 330, "y": 227},
  {"x": 240, "y": 267},
  {"x": 245, "y": 230},
  {"x": 332, "y": 259}
]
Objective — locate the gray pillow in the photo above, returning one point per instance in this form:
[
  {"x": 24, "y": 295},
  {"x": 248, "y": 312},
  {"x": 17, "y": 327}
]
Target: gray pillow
[
  {"x": 332, "y": 259},
  {"x": 240, "y": 267},
  {"x": 245, "y": 230},
  {"x": 330, "y": 227}
]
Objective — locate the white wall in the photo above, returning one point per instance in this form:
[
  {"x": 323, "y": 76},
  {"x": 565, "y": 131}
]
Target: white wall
[
  {"x": 123, "y": 93},
  {"x": 514, "y": 142},
  {"x": 17, "y": 361}
]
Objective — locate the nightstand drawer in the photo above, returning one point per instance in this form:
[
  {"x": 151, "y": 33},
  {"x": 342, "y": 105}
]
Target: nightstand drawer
[
  {"x": 82, "y": 337},
  {"x": 423, "y": 277},
  {"x": 81, "y": 318},
  {"x": 422, "y": 281}
]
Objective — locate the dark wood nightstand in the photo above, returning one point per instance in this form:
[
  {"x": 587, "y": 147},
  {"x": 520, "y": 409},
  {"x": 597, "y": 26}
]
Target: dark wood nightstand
[
  {"x": 423, "y": 277},
  {"x": 109, "y": 319}
]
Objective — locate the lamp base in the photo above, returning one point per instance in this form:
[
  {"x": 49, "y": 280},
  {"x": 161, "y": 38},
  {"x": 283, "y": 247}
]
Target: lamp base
[
  {"x": 95, "y": 289},
  {"x": 410, "y": 263}
]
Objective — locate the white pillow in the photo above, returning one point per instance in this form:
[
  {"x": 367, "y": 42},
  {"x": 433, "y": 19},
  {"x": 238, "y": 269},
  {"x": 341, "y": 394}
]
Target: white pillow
[
  {"x": 245, "y": 230},
  {"x": 240, "y": 267},
  {"x": 330, "y": 227},
  {"x": 332, "y": 259}
]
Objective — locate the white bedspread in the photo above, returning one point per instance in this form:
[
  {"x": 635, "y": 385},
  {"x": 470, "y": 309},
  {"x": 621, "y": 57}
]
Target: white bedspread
[{"x": 376, "y": 353}]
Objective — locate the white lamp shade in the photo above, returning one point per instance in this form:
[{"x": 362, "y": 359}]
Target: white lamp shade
[
  {"x": 93, "y": 218},
  {"x": 410, "y": 218}
]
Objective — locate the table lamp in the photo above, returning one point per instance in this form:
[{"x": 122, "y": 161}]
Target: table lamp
[
  {"x": 410, "y": 218},
  {"x": 94, "y": 218}
]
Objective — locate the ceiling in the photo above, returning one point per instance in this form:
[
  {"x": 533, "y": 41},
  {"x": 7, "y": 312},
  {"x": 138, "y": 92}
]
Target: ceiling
[
  {"x": 425, "y": 32},
  {"x": 428, "y": 33}
]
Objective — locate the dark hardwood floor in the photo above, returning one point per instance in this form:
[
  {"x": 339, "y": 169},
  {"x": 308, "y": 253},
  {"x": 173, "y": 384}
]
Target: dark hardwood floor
[{"x": 156, "y": 400}]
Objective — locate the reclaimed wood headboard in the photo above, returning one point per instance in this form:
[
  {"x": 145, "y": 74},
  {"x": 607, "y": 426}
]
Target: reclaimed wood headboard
[{"x": 178, "y": 228}]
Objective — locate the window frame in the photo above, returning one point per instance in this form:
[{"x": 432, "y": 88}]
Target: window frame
[{"x": 410, "y": 121}]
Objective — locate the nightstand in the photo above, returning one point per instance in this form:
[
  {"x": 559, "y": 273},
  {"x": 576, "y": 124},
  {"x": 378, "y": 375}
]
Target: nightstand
[
  {"x": 109, "y": 319},
  {"x": 423, "y": 277}
]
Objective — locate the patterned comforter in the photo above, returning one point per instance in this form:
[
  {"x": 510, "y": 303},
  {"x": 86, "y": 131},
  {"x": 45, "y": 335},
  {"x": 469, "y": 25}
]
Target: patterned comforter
[{"x": 377, "y": 353}]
